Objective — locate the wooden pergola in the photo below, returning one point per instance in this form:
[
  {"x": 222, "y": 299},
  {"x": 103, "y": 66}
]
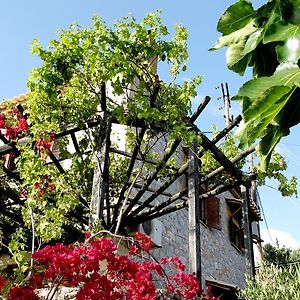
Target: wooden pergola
[{"x": 124, "y": 211}]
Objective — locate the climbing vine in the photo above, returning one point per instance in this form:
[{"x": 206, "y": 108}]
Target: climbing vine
[{"x": 67, "y": 91}]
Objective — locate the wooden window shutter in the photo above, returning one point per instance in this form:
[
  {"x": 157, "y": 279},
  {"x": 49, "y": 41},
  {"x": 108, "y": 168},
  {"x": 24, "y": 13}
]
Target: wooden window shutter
[{"x": 212, "y": 212}]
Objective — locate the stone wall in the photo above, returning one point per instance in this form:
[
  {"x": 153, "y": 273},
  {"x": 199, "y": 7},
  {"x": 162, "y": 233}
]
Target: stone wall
[{"x": 220, "y": 260}]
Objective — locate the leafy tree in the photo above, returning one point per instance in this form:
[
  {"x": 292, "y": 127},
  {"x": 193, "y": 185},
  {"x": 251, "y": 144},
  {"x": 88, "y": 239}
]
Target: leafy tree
[
  {"x": 275, "y": 278},
  {"x": 276, "y": 255},
  {"x": 279, "y": 255},
  {"x": 90, "y": 77},
  {"x": 68, "y": 89},
  {"x": 268, "y": 40}
]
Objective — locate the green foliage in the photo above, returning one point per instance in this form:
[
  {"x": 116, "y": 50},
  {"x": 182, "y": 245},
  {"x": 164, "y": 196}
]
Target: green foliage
[
  {"x": 279, "y": 256},
  {"x": 275, "y": 255},
  {"x": 277, "y": 166},
  {"x": 268, "y": 40},
  {"x": 273, "y": 283},
  {"x": 18, "y": 250},
  {"x": 66, "y": 88},
  {"x": 66, "y": 91}
]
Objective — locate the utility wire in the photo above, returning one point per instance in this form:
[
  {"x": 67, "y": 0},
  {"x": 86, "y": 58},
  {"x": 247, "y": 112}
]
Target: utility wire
[{"x": 264, "y": 217}]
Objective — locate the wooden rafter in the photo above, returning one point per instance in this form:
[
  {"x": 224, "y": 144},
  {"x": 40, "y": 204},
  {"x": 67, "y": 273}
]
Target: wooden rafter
[
  {"x": 135, "y": 209},
  {"x": 134, "y": 155}
]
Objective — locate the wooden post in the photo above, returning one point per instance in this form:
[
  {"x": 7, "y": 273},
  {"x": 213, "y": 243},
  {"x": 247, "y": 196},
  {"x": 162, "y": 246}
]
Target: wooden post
[
  {"x": 253, "y": 197},
  {"x": 100, "y": 192},
  {"x": 226, "y": 103},
  {"x": 194, "y": 214},
  {"x": 247, "y": 232}
]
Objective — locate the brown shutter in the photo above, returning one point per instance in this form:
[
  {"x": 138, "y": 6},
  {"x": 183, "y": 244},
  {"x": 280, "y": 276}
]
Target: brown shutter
[{"x": 212, "y": 212}]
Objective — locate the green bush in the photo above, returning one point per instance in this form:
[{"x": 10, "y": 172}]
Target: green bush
[{"x": 273, "y": 283}]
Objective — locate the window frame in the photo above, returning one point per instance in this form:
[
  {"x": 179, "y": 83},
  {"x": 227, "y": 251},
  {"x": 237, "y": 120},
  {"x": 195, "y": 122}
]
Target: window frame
[{"x": 236, "y": 223}]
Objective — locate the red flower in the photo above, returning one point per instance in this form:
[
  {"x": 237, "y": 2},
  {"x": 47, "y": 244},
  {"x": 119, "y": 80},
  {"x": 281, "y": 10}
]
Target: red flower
[
  {"x": 15, "y": 112},
  {"x": 2, "y": 120},
  {"x": 2, "y": 283},
  {"x": 134, "y": 249},
  {"x": 22, "y": 125},
  {"x": 87, "y": 235},
  {"x": 22, "y": 293},
  {"x": 37, "y": 185},
  {"x": 11, "y": 132},
  {"x": 52, "y": 136},
  {"x": 101, "y": 273},
  {"x": 43, "y": 145},
  {"x": 144, "y": 241}
]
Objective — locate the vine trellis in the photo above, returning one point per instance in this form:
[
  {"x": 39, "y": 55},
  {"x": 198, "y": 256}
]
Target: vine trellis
[{"x": 128, "y": 209}]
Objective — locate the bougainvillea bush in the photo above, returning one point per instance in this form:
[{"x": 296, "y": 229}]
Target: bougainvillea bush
[{"x": 97, "y": 271}]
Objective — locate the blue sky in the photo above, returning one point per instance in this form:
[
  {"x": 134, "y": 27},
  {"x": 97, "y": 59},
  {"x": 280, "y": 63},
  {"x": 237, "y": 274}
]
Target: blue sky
[{"x": 22, "y": 21}]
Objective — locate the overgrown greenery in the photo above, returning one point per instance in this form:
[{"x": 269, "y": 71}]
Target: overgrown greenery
[
  {"x": 277, "y": 278},
  {"x": 67, "y": 90},
  {"x": 268, "y": 40},
  {"x": 273, "y": 283}
]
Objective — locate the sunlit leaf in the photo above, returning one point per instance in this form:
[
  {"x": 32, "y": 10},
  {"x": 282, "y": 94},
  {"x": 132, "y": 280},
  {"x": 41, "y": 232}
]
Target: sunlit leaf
[
  {"x": 236, "y": 60},
  {"x": 236, "y": 17},
  {"x": 235, "y": 37},
  {"x": 281, "y": 32},
  {"x": 289, "y": 51},
  {"x": 256, "y": 87},
  {"x": 268, "y": 142}
]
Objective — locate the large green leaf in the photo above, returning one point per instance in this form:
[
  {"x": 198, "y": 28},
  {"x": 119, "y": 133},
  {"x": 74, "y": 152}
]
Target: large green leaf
[
  {"x": 290, "y": 115},
  {"x": 261, "y": 113},
  {"x": 242, "y": 135},
  {"x": 264, "y": 111},
  {"x": 269, "y": 104},
  {"x": 235, "y": 58},
  {"x": 235, "y": 37},
  {"x": 236, "y": 17},
  {"x": 256, "y": 87},
  {"x": 253, "y": 40},
  {"x": 268, "y": 142},
  {"x": 290, "y": 35},
  {"x": 281, "y": 32},
  {"x": 289, "y": 51}
]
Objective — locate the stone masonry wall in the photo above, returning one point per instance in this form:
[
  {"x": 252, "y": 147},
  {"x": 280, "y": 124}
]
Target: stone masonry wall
[{"x": 220, "y": 260}]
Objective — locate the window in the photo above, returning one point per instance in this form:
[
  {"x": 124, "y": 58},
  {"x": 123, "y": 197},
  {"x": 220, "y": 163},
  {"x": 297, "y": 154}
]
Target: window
[
  {"x": 211, "y": 212},
  {"x": 236, "y": 231},
  {"x": 222, "y": 290}
]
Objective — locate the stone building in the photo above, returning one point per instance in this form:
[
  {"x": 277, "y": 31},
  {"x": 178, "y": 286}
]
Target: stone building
[{"x": 227, "y": 232}]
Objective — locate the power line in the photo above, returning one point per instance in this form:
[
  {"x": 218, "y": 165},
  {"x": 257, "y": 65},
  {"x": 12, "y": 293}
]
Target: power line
[{"x": 264, "y": 217}]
